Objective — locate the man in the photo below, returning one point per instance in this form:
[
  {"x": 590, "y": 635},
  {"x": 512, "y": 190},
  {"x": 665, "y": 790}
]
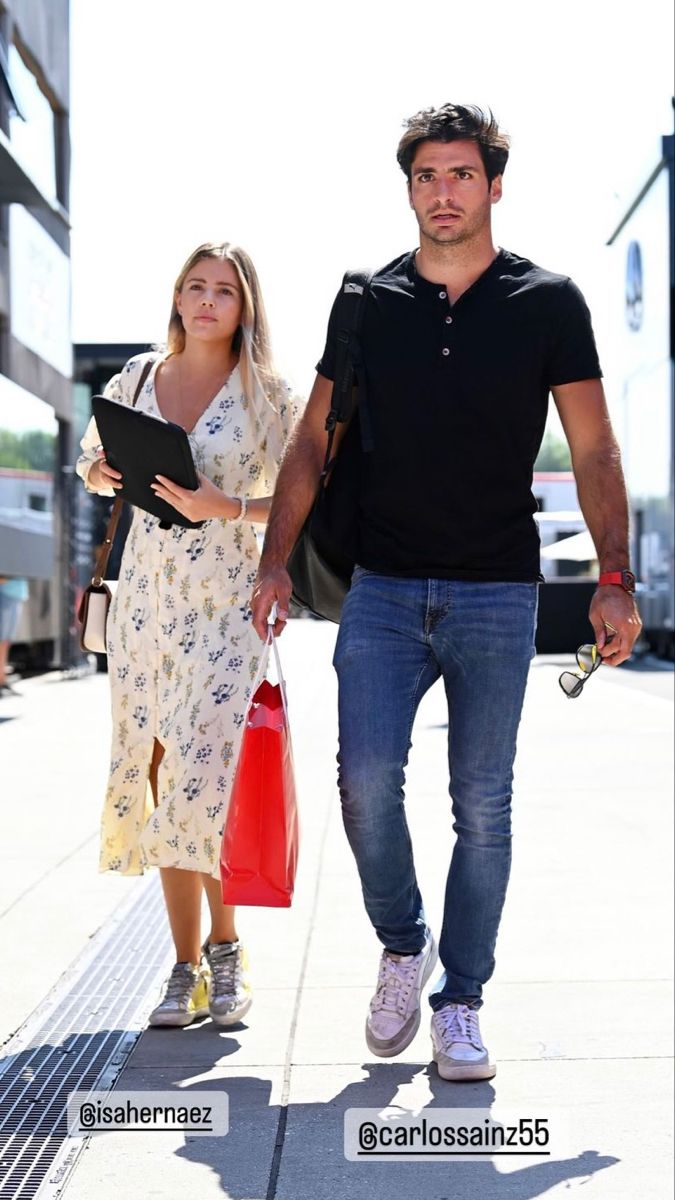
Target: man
[{"x": 462, "y": 344}]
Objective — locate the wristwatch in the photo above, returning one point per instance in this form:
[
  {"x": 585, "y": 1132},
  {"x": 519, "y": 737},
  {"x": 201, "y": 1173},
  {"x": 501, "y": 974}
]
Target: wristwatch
[{"x": 624, "y": 579}]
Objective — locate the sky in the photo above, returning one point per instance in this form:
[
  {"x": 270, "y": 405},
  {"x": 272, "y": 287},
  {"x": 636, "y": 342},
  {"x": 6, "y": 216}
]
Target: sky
[{"x": 275, "y": 125}]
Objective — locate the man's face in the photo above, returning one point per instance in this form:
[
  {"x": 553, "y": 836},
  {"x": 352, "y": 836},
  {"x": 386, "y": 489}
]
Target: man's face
[{"x": 449, "y": 192}]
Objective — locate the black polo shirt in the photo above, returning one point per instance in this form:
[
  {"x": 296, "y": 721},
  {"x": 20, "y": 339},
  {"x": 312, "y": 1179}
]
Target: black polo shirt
[{"x": 458, "y": 396}]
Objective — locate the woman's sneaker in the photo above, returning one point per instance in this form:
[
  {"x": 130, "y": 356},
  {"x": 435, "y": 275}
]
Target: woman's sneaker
[
  {"x": 394, "y": 1016},
  {"x": 229, "y": 986},
  {"x": 185, "y": 997},
  {"x": 458, "y": 1048}
]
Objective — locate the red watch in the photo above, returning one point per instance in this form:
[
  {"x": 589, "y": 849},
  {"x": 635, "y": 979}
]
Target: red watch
[{"x": 624, "y": 579}]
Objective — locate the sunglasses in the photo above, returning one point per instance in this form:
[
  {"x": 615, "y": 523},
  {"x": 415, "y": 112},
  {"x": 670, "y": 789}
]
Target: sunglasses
[{"x": 588, "y": 660}]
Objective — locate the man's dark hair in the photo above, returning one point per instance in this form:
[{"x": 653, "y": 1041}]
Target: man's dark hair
[{"x": 453, "y": 123}]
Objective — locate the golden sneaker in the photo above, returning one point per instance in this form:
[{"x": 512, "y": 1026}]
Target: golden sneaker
[
  {"x": 229, "y": 988},
  {"x": 185, "y": 997}
]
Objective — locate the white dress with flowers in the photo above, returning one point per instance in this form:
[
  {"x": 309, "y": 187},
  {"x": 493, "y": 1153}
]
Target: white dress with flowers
[{"x": 182, "y": 651}]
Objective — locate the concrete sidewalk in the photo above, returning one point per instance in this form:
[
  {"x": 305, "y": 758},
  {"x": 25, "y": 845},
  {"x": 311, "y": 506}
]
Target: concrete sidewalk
[{"x": 578, "y": 1014}]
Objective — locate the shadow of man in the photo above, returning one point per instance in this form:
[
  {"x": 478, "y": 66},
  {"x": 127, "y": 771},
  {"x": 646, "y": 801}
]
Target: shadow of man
[{"x": 299, "y": 1155}]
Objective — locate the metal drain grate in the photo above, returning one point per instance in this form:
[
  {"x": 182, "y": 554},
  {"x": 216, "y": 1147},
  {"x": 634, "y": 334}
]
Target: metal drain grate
[{"x": 80, "y": 1037}]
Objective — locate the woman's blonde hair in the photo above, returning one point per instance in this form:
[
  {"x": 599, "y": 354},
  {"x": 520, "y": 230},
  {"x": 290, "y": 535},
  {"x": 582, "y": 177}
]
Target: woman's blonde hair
[{"x": 259, "y": 378}]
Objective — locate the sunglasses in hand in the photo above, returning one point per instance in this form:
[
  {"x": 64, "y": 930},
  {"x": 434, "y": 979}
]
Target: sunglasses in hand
[{"x": 588, "y": 660}]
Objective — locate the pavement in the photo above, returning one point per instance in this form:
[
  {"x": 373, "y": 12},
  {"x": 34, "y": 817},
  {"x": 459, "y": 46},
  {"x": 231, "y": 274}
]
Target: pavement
[{"x": 578, "y": 1014}]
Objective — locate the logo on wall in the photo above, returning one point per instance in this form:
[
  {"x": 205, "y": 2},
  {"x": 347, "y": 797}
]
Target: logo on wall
[{"x": 634, "y": 303}]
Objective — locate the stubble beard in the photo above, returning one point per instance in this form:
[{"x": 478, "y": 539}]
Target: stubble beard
[{"x": 448, "y": 238}]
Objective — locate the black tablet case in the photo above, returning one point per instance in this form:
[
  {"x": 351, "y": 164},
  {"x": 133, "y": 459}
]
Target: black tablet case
[{"x": 139, "y": 447}]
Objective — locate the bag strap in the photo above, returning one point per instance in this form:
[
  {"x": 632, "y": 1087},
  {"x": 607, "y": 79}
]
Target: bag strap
[
  {"x": 349, "y": 369},
  {"x": 113, "y": 521},
  {"x": 271, "y": 647}
]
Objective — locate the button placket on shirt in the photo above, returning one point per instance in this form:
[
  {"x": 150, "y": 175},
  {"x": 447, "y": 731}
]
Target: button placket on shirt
[{"x": 445, "y": 348}]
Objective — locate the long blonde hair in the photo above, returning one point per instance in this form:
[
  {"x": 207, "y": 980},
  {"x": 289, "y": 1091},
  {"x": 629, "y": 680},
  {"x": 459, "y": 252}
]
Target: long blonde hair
[{"x": 259, "y": 377}]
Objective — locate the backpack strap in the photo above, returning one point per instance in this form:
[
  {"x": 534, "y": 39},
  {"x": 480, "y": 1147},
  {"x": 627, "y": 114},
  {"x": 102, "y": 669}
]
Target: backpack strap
[
  {"x": 349, "y": 368},
  {"x": 348, "y": 360}
]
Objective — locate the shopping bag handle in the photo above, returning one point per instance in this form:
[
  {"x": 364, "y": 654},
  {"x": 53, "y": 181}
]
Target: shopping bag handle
[{"x": 271, "y": 644}]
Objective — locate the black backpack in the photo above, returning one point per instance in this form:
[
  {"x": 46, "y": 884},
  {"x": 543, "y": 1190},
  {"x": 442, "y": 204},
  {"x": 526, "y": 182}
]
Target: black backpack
[{"x": 323, "y": 558}]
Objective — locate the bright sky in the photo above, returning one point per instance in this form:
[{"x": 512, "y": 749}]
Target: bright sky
[{"x": 275, "y": 125}]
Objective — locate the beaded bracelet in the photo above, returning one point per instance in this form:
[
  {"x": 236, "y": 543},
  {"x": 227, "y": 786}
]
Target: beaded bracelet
[{"x": 241, "y": 515}]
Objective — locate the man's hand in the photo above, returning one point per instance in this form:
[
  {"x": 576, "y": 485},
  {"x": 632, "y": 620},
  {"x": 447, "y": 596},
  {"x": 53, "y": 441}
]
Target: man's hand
[
  {"x": 596, "y": 462},
  {"x": 616, "y": 621},
  {"x": 293, "y": 498},
  {"x": 272, "y": 587}
]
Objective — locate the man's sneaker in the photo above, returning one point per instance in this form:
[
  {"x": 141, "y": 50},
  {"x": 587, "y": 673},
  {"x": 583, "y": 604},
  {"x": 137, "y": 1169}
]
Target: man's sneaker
[
  {"x": 458, "y": 1047},
  {"x": 229, "y": 987},
  {"x": 185, "y": 997},
  {"x": 394, "y": 1016}
]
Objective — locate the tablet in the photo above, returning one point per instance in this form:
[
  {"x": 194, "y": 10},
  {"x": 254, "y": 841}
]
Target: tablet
[{"x": 139, "y": 447}]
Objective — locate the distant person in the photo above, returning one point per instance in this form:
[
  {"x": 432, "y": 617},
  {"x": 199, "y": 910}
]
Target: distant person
[
  {"x": 462, "y": 343},
  {"x": 13, "y": 596},
  {"x": 182, "y": 651}
]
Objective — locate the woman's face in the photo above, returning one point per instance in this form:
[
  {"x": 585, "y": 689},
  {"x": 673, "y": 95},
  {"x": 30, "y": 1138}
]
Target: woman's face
[{"x": 210, "y": 301}]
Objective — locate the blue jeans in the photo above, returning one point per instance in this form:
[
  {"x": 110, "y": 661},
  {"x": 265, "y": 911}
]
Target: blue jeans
[{"x": 396, "y": 638}]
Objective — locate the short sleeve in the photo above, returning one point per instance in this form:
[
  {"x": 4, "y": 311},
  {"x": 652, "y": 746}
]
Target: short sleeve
[
  {"x": 573, "y": 354},
  {"x": 326, "y": 364},
  {"x": 291, "y": 406},
  {"x": 287, "y": 406}
]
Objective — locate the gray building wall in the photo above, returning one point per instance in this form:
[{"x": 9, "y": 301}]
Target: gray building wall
[{"x": 39, "y": 30}]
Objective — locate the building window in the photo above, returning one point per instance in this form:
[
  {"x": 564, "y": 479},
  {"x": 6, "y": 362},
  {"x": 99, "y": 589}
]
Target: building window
[
  {"x": 4, "y": 334},
  {"x": 28, "y": 449},
  {"x": 32, "y": 134},
  {"x": 8, "y": 100}
]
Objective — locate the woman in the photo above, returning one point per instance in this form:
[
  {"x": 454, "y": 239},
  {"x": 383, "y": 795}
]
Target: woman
[{"x": 182, "y": 652}]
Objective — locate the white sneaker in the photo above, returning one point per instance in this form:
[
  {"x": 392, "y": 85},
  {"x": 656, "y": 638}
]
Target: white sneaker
[
  {"x": 458, "y": 1048},
  {"x": 394, "y": 1016}
]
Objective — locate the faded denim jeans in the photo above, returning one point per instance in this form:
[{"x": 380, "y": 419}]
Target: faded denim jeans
[{"x": 396, "y": 638}]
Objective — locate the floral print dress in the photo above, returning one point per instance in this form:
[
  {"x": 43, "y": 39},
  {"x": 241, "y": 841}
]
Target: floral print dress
[{"x": 182, "y": 651}]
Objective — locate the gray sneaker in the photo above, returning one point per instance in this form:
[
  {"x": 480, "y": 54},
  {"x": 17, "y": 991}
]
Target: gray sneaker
[
  {"x": 229, "y": 988},
  {"x": 394, "y": 1016},
  {"x": 458, "y": 1048},
  {"x": 185, "y": 997}
]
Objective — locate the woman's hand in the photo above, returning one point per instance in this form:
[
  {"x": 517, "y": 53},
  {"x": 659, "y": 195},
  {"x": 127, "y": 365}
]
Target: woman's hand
[
  {"x": 206, "y": 502},
  {"x": 102, "y": 475}
]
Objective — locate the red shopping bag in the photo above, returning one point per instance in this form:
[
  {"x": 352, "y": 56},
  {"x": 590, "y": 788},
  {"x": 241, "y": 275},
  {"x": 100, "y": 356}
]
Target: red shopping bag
[{"x": 260, "y": 840}]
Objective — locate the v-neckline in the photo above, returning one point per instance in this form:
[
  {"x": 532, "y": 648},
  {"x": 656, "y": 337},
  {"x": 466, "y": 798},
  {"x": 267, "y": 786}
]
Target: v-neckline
[{"x": 210, "y": 404}]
